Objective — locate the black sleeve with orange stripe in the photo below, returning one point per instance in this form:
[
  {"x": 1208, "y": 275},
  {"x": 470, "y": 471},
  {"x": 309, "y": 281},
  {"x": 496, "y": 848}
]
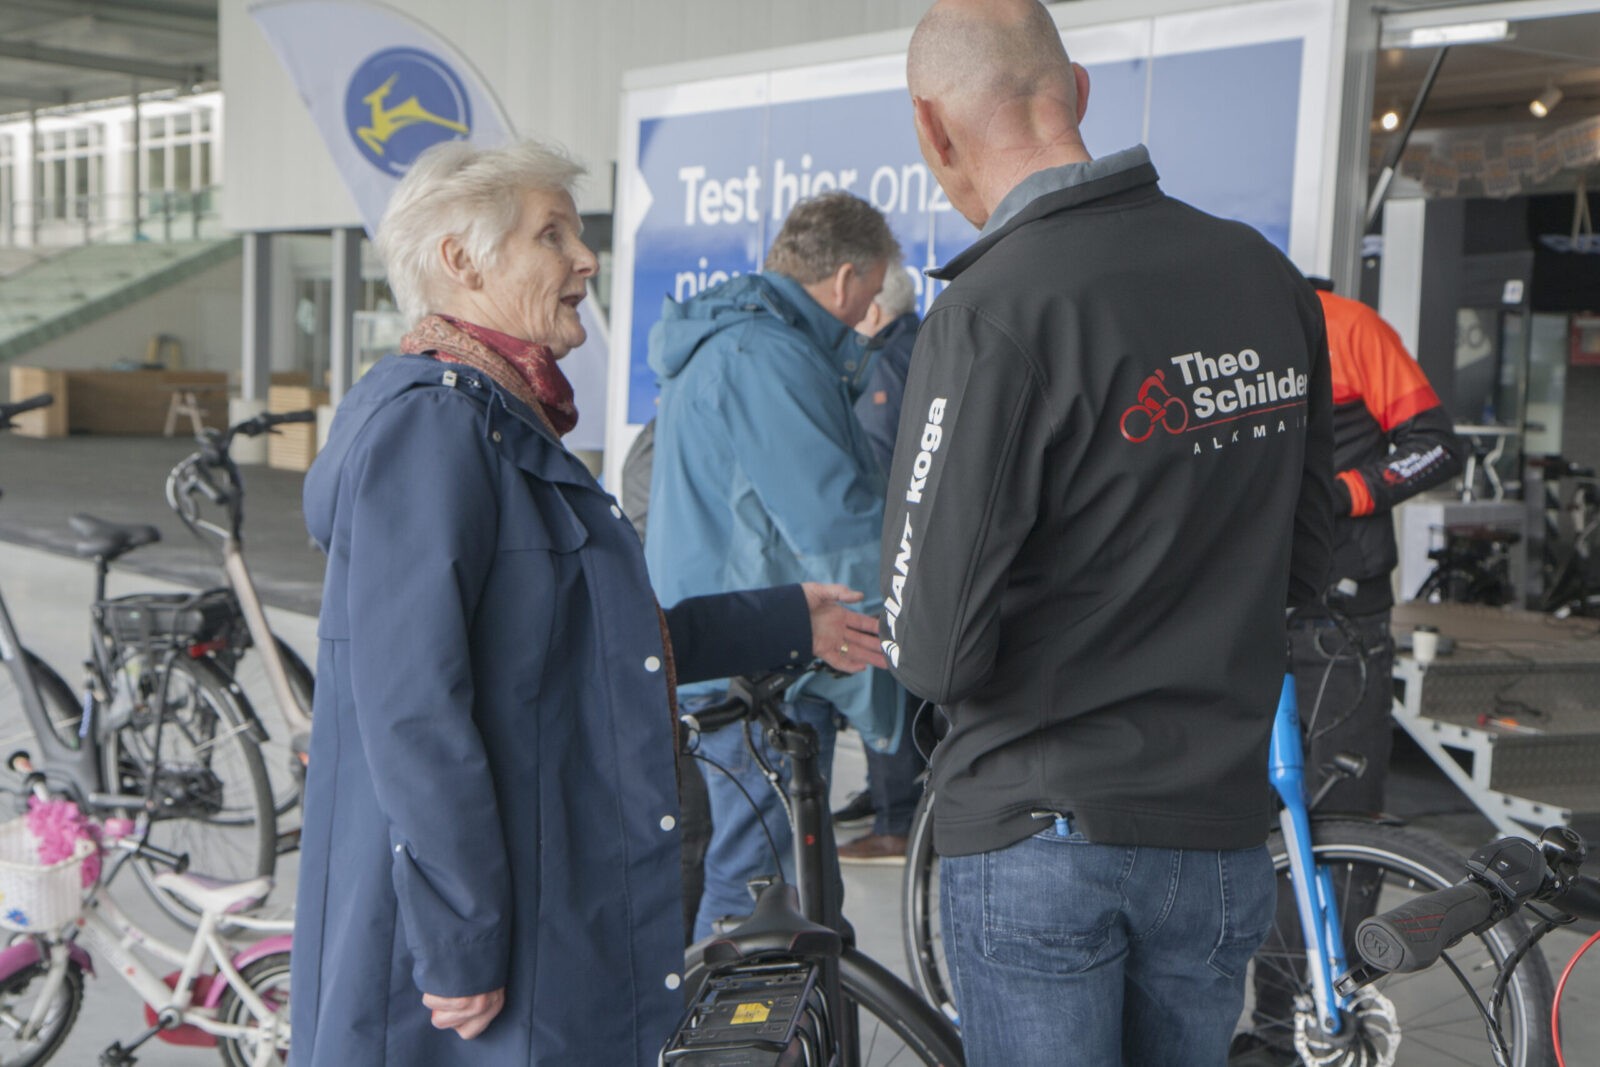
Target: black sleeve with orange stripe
[{"x": 1424, "y": 448}]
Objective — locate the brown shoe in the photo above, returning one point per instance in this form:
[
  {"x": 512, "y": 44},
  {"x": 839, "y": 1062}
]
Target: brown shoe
[{"x": 887, "y": 849}]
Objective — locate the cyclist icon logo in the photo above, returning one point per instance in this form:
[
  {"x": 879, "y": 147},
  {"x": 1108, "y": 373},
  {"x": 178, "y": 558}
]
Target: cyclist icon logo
[{"x": 1156, "y": 406}]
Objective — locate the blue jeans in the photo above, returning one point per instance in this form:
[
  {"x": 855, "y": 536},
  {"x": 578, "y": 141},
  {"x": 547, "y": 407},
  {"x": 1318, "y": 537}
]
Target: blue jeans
[
  {"x": 739, "y": 850},
  {"x": 1065, "y": 952}
]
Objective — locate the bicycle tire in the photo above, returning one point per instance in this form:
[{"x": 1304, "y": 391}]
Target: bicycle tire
[
  {"x": 892, "y": 1024},
  {"x": 1431, "y": 1008},
  {"x": 204, "y": 727},
  {"x": 269, "y": 978},
  {"x": 59, "y": 1018},
  {"x": 60, "y": 704},
  {"x": 250, "y": 673},
  {"x": 902, "y": 1022},
  {"x": 1412, "y": 862}
]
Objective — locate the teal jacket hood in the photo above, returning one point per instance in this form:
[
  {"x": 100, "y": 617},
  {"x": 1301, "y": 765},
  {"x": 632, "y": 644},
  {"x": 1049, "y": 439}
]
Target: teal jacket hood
[{"x": 745, "y": 301}]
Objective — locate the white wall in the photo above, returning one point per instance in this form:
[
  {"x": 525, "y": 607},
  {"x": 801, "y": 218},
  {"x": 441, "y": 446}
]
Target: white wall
[
  {"x": 556, "y": 66},
  {"x": 202, "y": 312}
]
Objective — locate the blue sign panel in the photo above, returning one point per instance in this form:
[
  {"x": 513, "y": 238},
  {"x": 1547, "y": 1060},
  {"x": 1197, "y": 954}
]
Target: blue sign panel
[{"x": 1221, "y": 128}]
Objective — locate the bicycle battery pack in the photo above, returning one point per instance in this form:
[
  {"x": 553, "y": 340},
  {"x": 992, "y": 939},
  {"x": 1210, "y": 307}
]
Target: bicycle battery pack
[{"x": 752, "y": 1015}]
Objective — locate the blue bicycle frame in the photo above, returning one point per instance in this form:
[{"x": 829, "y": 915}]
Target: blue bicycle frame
[{"x": 1313, "y": 885}]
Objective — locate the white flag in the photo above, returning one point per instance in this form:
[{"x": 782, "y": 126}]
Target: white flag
[{"x": 382, "y": 87}]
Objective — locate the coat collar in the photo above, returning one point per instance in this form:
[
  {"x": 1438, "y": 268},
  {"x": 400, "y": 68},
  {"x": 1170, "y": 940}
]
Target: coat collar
[{"x": 1059, "y": 189}]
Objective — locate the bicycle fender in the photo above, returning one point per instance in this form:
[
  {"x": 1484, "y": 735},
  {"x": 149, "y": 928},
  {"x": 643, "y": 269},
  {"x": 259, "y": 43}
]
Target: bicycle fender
[
  {"x": 265, "y": 947},
  {"x": 25, "y": 954}
]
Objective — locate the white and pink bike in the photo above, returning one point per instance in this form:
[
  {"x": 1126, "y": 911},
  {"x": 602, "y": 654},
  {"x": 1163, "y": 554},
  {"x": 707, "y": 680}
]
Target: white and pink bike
[{"x": 230, "y": 989}]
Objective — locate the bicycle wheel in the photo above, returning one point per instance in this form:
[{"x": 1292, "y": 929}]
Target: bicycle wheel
[
  {"x": 892, "y": 1024},
  {"x": 268, "y": 978},
  {"x": 919, "y": 897},
  {"x": 193, "y": 754},
  {"x": 16, "y": 734},
  {"x": 284, "y": 770},
  {"x": 1403, "y": 1018},
  {"x": 19, "y": 997}
]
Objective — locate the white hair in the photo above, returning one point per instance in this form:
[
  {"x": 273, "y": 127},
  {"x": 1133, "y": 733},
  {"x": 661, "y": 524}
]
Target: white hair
[
  {"x": 474, "y": 194},
  {"x": 898, "y": 294}
]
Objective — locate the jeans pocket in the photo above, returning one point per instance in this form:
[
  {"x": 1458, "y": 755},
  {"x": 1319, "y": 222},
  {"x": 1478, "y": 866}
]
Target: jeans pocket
[
  {"x": 1048, "y": 908},
  {"x": 1248, "y": 889}
]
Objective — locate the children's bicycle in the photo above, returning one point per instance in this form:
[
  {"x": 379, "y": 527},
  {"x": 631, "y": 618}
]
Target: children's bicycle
[
  {"x": 232, "y": 995},
  {"x": 1333, "y": 867},
  {"x": 787, "y": 985}
]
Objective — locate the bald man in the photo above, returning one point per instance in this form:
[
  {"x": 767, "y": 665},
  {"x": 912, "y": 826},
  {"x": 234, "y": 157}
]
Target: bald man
[{"x": 1113, "y": 473}]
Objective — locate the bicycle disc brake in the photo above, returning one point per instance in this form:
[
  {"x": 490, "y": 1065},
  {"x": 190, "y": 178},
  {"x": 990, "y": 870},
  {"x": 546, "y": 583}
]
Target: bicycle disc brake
[{"x": 1370, "y": 1037}]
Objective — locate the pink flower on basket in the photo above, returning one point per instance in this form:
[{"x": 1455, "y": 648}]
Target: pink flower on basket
[{"x": 58, "y": 825}]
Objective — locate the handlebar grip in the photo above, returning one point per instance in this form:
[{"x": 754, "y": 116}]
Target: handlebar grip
[
  {"x": 306, "y": 415},
  {"x": 714, "y": 717},
  {"x": 1412, "y": 936},
  {"x": 178, "y": 861},
  {"x": 42, "y": 400}
]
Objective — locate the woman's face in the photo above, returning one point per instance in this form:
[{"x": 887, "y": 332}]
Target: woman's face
[{"x": 540, "y": 277}]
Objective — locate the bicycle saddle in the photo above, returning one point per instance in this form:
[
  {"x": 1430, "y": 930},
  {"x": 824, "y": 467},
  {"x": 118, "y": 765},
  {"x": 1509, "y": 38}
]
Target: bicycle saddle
[
  {"x": 215, "y": 895},
  {"x": 776, "y": 927},
  {"x": 97, "y": 537}
]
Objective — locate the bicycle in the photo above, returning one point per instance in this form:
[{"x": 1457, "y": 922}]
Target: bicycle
[
  {"x": 1502, "y": 878},
  {"x": 160, "y": 723},
  {"x": 788, "y": 985},
  {"x": 1321, "y": 858},
  {"x": 288, "y": 678},
  {"x": 233, "y": 996}
]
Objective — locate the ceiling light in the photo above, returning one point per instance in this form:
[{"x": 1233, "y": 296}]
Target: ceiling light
[
  {"x": 1459, "y": 33},
  {"x": 1546, "y": 101},
  {"x": 1390, "y": 120}
]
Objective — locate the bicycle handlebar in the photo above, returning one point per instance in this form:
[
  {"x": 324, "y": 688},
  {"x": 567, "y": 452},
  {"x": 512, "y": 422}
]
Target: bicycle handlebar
[
  {"x": 32, "y": 403},
  {"x": 1501, "y": 877},
  {"x": 748, "y": 698}
]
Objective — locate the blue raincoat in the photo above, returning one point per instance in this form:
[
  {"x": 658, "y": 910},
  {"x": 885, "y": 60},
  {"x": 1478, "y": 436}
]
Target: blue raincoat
[
  {"x": 491, "y": 799},
  {"x": 762, "y": 473}
]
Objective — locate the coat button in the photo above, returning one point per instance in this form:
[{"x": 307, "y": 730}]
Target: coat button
[
  {"x": 652, "y": 664},
  {"x": 495, "y": 435},
  {"x": 674, "y": 981},
  {"x": 616, "y": 511},
  {"x": 794, "y": 654},
  {"x": 668, "y": 822},
  {"x": 399, "y": 848}
]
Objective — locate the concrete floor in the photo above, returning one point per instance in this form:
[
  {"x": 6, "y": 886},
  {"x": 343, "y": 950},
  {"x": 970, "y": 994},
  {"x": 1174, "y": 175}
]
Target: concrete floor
[{"x": 48, "y": 596}]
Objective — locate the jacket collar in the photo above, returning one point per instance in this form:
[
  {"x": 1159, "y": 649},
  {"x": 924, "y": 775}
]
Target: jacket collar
[
  {"x": 800, "y": 310},
  {"x": 1057, "y": 189}
]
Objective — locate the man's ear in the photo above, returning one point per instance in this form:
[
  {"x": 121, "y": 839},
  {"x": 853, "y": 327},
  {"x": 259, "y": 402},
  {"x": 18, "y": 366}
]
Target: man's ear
[
  {"x": 839, "y": 285},
  {"x": 457, "y": 264},
  {"x": 1081, "y": 77},
  {"x": 931, "y": 127}
]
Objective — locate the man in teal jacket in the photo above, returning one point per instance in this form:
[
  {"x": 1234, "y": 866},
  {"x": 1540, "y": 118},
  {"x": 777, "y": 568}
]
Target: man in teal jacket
[{"x": 763, "y": 475}]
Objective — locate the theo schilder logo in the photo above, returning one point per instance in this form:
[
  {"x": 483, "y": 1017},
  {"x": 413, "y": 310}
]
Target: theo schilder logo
[{"x": 1215, "y": 392}]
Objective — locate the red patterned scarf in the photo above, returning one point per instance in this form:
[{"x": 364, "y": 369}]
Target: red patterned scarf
[{"x": 524, "y": 369}]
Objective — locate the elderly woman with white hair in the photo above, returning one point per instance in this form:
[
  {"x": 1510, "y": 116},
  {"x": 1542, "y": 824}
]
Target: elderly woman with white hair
[{"x": 489, "y": 869}]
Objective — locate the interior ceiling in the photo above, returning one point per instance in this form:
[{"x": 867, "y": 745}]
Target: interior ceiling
[
  {"x": 60, "y": 52},
  {"x": 1490, "y": 85}
]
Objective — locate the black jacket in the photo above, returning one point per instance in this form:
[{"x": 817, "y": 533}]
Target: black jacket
[{"x": 1113, "y": 473}]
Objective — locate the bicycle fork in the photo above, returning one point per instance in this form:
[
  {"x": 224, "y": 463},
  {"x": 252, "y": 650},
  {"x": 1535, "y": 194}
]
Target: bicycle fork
[{"x": 1315, "y": 903}]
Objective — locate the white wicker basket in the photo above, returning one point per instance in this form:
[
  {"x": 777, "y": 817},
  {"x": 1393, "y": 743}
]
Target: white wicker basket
[{"x": 35, "y": 897}]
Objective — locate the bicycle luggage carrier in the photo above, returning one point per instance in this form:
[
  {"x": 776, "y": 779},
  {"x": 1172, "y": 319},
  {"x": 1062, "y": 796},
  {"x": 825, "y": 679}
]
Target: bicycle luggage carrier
[{"x": 168, "y": 620}]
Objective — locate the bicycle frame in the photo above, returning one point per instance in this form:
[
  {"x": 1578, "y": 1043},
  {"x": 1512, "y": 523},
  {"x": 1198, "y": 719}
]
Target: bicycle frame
[
  {"x": 104, "y": 928},
  {"x": 78, "y": 769},
  {"x": 1315, "y": 902}
]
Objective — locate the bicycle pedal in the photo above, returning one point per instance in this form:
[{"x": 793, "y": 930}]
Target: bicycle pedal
[{"x": 117, "y": 1056}]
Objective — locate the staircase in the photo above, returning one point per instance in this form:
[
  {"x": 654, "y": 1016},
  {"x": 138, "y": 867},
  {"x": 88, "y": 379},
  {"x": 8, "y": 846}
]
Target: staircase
[
  {"x": 54, "y": 296},
  {"x": 1511, "y": 714}
]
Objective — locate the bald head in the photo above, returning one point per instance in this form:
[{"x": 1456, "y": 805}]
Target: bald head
[{"x": 975, "y": 55}]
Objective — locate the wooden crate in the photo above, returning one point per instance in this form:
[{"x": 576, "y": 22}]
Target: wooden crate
[
  {"x": 293, "y": 447},
  {"x": 45, "y": 422}
]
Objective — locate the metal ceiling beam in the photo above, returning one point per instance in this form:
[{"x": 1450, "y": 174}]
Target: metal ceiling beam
[
  {"x": 139, "y": 68},
  {"x": 102, "y": 8},
  {"x": 117, "y": 15},
  {"x": 34, "y": 95}
]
